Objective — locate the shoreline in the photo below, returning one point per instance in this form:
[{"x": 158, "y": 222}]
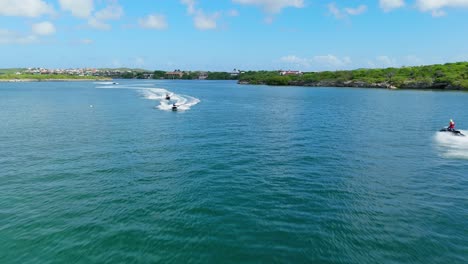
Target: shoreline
[{"x": 383, "y": 85}]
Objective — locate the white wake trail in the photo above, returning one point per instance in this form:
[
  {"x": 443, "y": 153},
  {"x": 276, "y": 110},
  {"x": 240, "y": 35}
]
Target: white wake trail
[
  {"x": 451, "y": 146},
  {"x": 183, "y": 102}
]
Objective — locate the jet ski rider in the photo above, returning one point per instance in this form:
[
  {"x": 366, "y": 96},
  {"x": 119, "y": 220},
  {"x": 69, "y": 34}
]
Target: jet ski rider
[{"x": 451, "y": 126}]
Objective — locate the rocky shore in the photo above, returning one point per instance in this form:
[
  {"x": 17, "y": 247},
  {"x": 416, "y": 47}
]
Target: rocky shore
[{"x": 385, "y": 85}]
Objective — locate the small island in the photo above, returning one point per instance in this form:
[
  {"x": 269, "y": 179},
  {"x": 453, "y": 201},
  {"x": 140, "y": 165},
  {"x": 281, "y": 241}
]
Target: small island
[{"x": 449, "y": 76}]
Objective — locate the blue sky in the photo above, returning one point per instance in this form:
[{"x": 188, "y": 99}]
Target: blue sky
[{"x": 220, "y": 35}]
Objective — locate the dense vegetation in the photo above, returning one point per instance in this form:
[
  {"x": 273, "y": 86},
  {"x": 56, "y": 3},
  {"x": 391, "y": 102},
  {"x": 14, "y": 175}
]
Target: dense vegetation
[
  {"x": 187, "y": 75},
  {"x": 43, "y": 77},
  {"x": 159, "y": 74},
  {"x": 447, "y": 76},
  {"x": 11, "y": 71},
  {"x": 120, "y": 73},
  {"x": 193, "y": 75},
  {"x": 190, "y": 76},
  {"x": 221, "y": 76}
]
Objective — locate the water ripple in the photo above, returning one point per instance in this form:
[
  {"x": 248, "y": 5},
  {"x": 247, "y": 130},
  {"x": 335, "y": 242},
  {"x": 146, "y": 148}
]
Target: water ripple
[{"x": 255, "y": 175}]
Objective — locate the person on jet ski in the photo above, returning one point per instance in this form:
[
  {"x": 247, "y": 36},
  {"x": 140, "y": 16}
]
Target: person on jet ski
[{"x": 451, "y": 126}]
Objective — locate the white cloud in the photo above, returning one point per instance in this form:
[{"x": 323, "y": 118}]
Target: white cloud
[
  {"x": 110, "y": 12},
  {"x": 86, "y": 41},
  {"x": 438, "y": 13},
  {"x": 382, "y": 62},
  {"x": 319, "y": 62},
  {"x": 43, "y": 28},
  {"x": 294, "y": 60},
  {"x": 389, "y": 5},
  {"x": 340, "y": 14},
  {"x": 268, "y": 19},
  {"x": 233, "y": 13},
  {"x": 78, "y": 8},
  {"x": 27, "y": 8},
  {"x": 436, "y": 6},
  {"x": 205, "y": 22},
  {"x": 97, "y": 20},
  {"x": 335, "y": 11},
  {"x": 356, "y": 11},
  {"x": 386, "y": 61},
  {"x": 98, "y": 24},
  {"x": 332, "y": 61},
  {"x": 10, "y": 37},
  {"x": 82, "y": 42},
  {"x": 190, "y": 5},
  {"x": 201, "y": 20},
  {"x": 272, "y": 6},
  {"x": 426, "y": 5},
  {"x": 153, "y": 22}
]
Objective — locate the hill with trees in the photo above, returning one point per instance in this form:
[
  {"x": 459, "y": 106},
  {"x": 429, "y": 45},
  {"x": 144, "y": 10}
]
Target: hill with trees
[{"x": 449, "y": 76}]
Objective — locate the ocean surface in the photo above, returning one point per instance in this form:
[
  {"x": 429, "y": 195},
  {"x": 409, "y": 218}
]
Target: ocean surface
[{"x": 95, "y": 172}]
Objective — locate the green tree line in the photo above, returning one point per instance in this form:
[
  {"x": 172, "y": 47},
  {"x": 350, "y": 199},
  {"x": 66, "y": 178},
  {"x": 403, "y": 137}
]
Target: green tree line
[
  {"x": 10, "y": 76},
  {"x": 446, "y": 76},
  {"x": 194, "y": 75}
]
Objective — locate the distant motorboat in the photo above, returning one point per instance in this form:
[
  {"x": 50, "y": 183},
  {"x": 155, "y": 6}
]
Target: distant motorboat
[{"x": 115, "y": 83}]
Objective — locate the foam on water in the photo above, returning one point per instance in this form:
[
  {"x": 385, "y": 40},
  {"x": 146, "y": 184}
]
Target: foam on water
[
  {"x": 183, "y": 102},
  {"x": 452, "y": 146}
]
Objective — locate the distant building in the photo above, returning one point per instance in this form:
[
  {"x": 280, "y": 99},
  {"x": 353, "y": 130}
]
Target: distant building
[
  {"x": 148, "y": 75},
  {"x": 202, "y": 75},
  {"x": 174, "y": 74},
  {"x": 235, "y": 73},
  {"x": 284, "y": 73}
]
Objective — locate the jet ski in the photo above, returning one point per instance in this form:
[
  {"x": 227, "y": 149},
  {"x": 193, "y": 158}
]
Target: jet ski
[
  {"x": 454, "y": 132},
  {"x": 168, "y": 97},
  {"x": 174, "y": 108}
]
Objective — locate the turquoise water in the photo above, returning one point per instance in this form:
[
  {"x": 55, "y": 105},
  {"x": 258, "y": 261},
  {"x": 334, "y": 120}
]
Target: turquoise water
[{"x": 101, "y": 173}]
